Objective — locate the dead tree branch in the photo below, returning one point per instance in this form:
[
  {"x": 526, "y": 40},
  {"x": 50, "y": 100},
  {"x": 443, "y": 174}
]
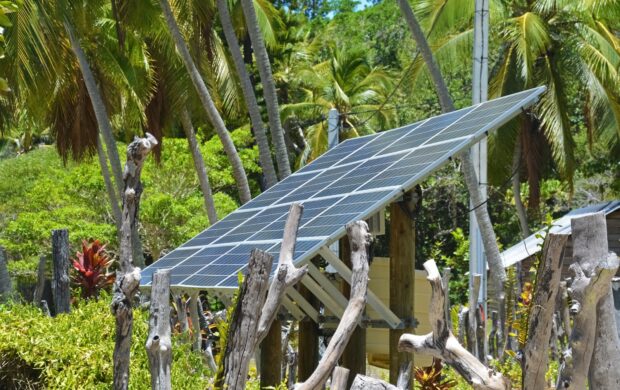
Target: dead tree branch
[
  {"x": 442, "y": 344},
  {"x": 359, "y": 238}
]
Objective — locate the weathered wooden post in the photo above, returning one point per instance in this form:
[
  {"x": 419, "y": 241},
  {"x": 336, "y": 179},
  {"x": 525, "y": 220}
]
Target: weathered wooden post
[
  {"x": 354, "y": 355},
  {"x": 402, "y": 275},
  {"x": 5, "y": 278},
  {"x": 60, "y": 281},
  {"x": 195, "y": 307},
  {"x": 536, "y": 351},
  {"x": 594, "y": 344},
  {"x": 159, "y": 342},
  {"x": 340, "y": 377},
  {"x": 128, "y": 276}
]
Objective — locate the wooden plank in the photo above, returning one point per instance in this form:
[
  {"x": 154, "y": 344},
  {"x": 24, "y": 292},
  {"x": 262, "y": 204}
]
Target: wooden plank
[
  {"x": 292, "y": 308},
  {"x": 373, "y": 300},
  {"x": 402, "y": 275},
  {"x": 304, "y": 304},
  {"x": 329, "y": 302}
]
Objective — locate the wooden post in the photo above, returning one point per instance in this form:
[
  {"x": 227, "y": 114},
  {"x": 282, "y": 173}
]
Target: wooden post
[
  {"x": 354, "y": 355},
  {"x": 402, "y": 275},
  {"x": 60, "y": 280},
  {"x": 594, "y": 344},
  {"x": 5, "y": 278},
  {"x": 194, "y": 308},
  {"x": 271, "y": 356},
  {"x": 308, "y": 345},
  {"x": 536, "y": 351},
  {"x": 159, "y": 342},
  {"x": 128, "y": 276}
]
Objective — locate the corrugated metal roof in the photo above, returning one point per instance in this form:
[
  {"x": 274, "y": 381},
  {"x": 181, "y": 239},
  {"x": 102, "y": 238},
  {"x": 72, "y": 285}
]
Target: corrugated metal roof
[{"x": 533, "y": 244}]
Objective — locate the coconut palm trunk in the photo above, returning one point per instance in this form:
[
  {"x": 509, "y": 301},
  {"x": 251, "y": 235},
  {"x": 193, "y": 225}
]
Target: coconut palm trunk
[
  {"x": 199, "y": 164},
  {"x": 264, "y": 151},
  {"x": 101, "y": 114},
  {"x": 269, "y": 88},
  {"x": 105, "y": 129},
  {"x": 498, "y": 274},
  {"x": 109, "y": 186},
  {"x": 208, "y": 105}
]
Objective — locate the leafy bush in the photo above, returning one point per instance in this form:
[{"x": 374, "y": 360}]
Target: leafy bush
[
  {"x": 75, "y": 350},
  {"x": 39, "y": 194}
]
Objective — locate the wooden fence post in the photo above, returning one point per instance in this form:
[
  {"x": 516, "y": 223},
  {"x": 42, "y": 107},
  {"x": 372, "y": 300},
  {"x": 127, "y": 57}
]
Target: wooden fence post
[
  {"x": 128, "y": 276},
  {"x": 159, "y": 342},
  {"x": 5, "y": 278},
  {"x": 60, "y": 281}
]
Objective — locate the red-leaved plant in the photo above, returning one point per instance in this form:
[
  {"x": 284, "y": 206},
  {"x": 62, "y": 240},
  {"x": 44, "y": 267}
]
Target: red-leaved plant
[{"x": 91, "y": 268}]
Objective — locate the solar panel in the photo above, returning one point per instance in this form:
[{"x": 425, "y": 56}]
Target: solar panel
[{"x": 352, "y": 181}]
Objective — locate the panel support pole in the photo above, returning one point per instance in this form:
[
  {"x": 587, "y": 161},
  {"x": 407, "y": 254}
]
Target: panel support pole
[
  {"x": 271, "y": 356},
  {"x": 402, "y": 275},
  {"x": 308, "y": 346}
]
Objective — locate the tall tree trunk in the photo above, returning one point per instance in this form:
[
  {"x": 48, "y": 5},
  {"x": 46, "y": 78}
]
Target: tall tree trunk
[
  {"x": 498, "y": 274},
  {"x": 208, "y": 105},
  {"x": 516, "y": 189},
  {"x": 199, "y": 165},
  {"x": 128, "y": 276},
  {"x": 269, "y": 88},
  {"x": 105, "y": 129},
  {"x": 109, "y": 186},
  {"x": 60, "y": 281},
  {"x": 101, "y": 114},
  {"x": 264, "y": 151},
  {"x": 159, "y": 341}
]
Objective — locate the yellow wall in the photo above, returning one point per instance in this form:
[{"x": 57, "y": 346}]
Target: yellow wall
[{"x": 377, "y": 340}]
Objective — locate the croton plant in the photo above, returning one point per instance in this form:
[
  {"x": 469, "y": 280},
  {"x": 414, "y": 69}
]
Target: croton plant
[{"x": 91, "y": 269}]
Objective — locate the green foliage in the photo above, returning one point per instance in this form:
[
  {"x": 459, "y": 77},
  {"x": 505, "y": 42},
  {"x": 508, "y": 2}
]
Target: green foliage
[
  {"x": 39, "y": 194},
  {"x": 75, "y": 350}
]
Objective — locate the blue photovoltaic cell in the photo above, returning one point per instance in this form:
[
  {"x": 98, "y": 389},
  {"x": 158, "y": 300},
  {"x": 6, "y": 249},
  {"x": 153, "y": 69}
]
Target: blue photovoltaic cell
[{"x": 351, "y": 181}]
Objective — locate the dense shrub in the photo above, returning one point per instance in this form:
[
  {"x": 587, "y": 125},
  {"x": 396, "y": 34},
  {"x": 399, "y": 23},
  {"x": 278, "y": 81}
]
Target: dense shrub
[
  {"x": 75, "y": 350},
  {"x": 39, "y": 193}
]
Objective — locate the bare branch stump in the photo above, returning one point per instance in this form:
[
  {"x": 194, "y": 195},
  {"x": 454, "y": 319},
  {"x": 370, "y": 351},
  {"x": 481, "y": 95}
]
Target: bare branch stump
[
  {"x": 442, "y": 344},
  {"x": 159, "y": 342},
  {"x": 242, "y": 329},
  {"x": 360, "y": 241},
  {"x": 594, "y": 348},
  {"x": 255, "y": 312},
  {"x": 536, "y": 351},
  {"x": 128, "y": 277},
  {"x": 60, "y": 282}
]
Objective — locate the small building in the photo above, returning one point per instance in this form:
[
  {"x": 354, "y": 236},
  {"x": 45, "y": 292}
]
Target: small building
[{"x": 525, "y": 250}]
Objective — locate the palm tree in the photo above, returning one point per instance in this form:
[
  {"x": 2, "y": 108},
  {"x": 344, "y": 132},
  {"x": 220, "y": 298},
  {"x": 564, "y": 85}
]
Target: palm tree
[
  {"x": 248, "y": 94},
  {"x": 208, "y": 104},
  {"x": 269, "y": 88},
  {"x": 489, "y": 240},
  {"x": 345, "y": 81},
  {"x": 199, "y": 164},
  {"x": 568, "y": 46}
]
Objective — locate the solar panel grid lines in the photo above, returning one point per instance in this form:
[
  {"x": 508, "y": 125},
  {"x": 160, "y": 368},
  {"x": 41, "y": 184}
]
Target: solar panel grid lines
[{"x": 352, "y": 181}]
